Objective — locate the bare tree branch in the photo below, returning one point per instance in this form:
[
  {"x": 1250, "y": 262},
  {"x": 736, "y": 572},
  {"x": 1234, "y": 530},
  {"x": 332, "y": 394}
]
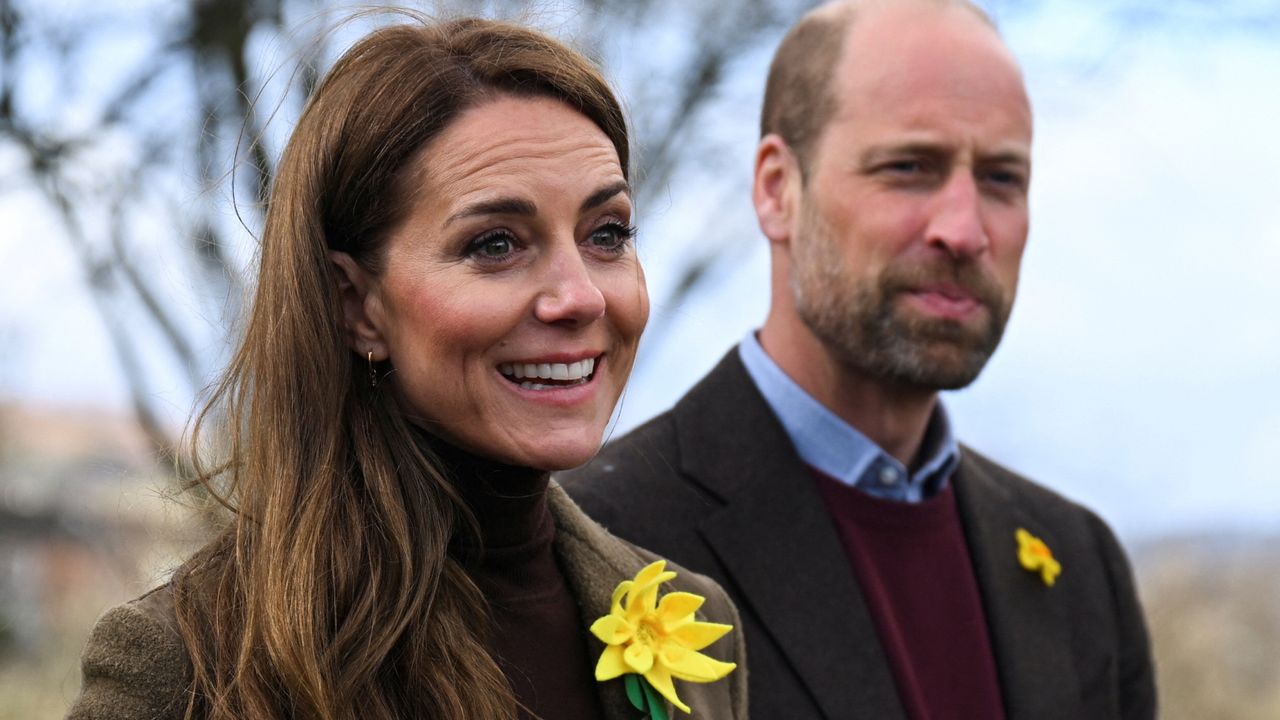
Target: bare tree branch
[{"x": 207, "y": 48}]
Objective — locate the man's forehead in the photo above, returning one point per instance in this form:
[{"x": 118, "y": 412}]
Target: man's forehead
[
  {"x": 885, "y": 35},
  {"x": 916, "y": 52}
]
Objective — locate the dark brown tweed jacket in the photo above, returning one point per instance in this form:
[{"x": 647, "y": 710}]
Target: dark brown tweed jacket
[
  {"x": 136, "y": 668},
  {"x": 716, "y": 485}
]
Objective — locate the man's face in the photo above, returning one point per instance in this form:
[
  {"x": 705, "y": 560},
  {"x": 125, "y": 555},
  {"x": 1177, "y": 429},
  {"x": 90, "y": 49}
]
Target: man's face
[{"x": 913, "y": 214}]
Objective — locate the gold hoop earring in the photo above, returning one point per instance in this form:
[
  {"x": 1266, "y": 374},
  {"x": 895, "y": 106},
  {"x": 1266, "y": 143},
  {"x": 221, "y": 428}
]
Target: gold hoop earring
[{"x": 373, "y": 372}]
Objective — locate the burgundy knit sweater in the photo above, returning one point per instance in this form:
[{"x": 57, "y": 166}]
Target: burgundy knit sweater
[{"x": 912, "y": 563}]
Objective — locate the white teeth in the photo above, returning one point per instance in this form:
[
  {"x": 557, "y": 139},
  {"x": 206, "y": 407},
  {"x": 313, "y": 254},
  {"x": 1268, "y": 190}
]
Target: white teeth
[
  {"x": 539, "y": 386},
  {"x": 580, "y": 370}
]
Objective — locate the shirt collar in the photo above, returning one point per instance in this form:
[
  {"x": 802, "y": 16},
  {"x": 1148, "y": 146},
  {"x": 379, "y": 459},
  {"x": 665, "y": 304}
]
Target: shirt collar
[{"x": 836, "y": 448}]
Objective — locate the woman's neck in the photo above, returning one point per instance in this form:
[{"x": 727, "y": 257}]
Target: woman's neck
[{"x": 508, "y": 501}]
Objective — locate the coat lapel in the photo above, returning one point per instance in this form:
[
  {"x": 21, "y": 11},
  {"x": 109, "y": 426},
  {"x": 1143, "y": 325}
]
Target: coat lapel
[
  {"x": 777, "y": 541},
  {"x": 1026, "y": 618},
  {"x": 594, "y": 562}
]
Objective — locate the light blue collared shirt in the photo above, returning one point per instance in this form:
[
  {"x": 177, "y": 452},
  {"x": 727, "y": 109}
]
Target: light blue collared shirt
[{"x": 835, "y": 448}]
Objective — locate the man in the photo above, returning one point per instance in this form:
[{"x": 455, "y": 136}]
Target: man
[{"x": 883, "y": 571}]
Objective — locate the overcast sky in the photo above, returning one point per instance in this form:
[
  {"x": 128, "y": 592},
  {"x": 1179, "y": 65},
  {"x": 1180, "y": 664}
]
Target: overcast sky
[{"x": 1139, "y": 372}]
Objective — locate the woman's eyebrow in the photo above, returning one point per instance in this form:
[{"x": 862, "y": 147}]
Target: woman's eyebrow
[
  {"x": 500, "y": 206},
  {"x": 604, "y": 194},
  {"x": 518, "y": 206}
]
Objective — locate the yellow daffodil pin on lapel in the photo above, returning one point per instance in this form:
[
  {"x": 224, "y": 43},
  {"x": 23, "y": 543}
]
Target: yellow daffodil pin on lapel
[
  {"x": 1035, "y": 556},
  {"x": 652, "y": 642}
]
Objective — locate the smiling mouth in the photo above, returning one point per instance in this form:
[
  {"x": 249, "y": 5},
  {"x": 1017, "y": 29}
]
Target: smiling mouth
[{"x": 549, "y": 376}]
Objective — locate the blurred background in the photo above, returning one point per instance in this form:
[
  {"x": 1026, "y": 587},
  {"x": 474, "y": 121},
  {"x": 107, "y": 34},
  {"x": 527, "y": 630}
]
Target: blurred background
[{"x": 1138, "y": 374}]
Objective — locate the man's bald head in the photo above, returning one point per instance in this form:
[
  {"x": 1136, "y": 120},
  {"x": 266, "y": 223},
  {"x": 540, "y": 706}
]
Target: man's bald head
[{"x": 799, "y": 98}]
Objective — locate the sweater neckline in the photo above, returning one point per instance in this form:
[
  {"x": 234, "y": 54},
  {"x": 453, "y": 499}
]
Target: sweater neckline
[{"x": 507, "y": 502}]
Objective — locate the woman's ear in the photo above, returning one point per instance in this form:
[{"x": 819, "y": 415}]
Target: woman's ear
[
  {"x": 361, "y": 307},
  {"x": 776, "y": 188}
]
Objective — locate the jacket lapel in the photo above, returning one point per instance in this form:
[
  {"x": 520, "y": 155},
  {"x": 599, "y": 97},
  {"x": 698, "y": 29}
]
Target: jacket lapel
[
  {"x": 777, "y": 541},
  {"x": 593, "y": 563},
  {"x": 1026, "y": 618}
]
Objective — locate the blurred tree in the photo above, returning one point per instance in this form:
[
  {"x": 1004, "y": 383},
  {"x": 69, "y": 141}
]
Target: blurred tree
[
  {"x": 126, "y": 122},
  {"x": 141, "y": 96}
]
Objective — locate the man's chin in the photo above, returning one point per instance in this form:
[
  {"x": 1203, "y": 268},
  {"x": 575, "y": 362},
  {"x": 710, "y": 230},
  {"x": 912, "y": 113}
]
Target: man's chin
[{"x": 933, "y": 363}]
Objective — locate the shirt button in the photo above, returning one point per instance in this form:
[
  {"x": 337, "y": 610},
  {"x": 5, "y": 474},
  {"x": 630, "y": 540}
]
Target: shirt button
[{"x": 888, "y": 476}]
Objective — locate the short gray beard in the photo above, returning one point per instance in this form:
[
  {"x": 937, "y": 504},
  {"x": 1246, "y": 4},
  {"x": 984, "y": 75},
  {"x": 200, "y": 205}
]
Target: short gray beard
[{"x": 857, "y": 324}]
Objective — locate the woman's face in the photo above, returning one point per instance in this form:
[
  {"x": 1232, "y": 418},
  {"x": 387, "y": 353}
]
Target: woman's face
[{"x": 511, "y": 300}]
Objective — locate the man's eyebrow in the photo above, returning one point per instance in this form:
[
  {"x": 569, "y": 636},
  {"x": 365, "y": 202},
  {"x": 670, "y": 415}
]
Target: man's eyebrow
[
  {"x": 604, "y": 194},
  {"x": 880, "y": 153},
  {"x": 877, "y": 153},
  {"x": 501, "y": 206},
  {"x": 1007, "y": 157}
]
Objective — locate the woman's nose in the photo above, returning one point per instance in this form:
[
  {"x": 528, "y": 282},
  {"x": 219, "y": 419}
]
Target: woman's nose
[{"x": 571, "y": 294}]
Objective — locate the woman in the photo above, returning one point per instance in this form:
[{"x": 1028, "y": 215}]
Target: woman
[{"x": 447, "y": 308}]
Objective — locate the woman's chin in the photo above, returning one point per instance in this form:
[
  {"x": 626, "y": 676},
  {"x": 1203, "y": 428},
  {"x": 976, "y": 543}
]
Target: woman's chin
[{"x": 549, "y": 456}]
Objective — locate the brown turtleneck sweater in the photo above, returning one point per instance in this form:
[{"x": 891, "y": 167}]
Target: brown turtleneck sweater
[{"x": 538, "y": 633}]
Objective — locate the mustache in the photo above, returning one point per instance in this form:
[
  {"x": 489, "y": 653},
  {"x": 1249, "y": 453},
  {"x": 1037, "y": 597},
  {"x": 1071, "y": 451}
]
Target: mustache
[{"x": 966, "y": 277}]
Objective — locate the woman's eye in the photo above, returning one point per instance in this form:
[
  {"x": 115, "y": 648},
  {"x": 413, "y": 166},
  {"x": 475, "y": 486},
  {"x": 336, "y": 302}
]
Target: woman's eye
[
  {"x": 612, "y": 237},
  {"x": 492, "y": 246}
]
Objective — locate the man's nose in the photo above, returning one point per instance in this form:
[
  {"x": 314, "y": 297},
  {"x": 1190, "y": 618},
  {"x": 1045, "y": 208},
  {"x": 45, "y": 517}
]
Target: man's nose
[
  {"x": 956, "y": 225},
  {"x": 570, "y": 295}
]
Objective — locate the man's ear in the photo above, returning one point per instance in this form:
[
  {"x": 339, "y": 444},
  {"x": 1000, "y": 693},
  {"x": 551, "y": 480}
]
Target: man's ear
[
  {"x": 361, "y": 307},
  {"x": 776, "y": 189}
]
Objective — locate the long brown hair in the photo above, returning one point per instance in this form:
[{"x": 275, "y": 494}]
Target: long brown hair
[{"x": 331, "y": 594}]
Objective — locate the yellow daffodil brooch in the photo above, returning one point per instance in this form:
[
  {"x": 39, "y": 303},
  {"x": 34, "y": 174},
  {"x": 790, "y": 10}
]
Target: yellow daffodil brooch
[
  {"x": 652, "y": 641},
  {"x": 1035, "y": 556}
]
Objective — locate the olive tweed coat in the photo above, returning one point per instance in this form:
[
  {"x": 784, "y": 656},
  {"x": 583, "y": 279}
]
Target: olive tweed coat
[{"x": 136, "y": 668}]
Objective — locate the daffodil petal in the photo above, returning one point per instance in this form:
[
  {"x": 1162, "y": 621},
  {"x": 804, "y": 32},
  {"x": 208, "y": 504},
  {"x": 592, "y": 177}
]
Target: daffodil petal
[
  {"x": 650, "y": 571},
  {"x": 639, "y": 658},
  {"x": 1049, "y": 573},
  {"x": 650, "y": 582},
  {"x": 693, "y": 666},
  {"x": 615, "y": 604},
  {"x": 697, "y": 635},
  {"x": 643, "y": 598},
  {"x": 612, "y": 630},
  {"x": 660, "y": 679},
  {"x": 1026, "y": 559},
  {"x": 611, "y": 663},
  {"x": 676, "y": 605}
]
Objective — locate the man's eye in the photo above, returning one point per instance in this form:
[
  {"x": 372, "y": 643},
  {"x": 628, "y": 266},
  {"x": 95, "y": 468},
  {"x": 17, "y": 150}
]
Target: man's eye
[
  {"x": 905, "y": 167},
  {"x": 612, "y": 237},
  {"x": 1005, "y": 177},
  {"x": 492, "y": 246}
]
